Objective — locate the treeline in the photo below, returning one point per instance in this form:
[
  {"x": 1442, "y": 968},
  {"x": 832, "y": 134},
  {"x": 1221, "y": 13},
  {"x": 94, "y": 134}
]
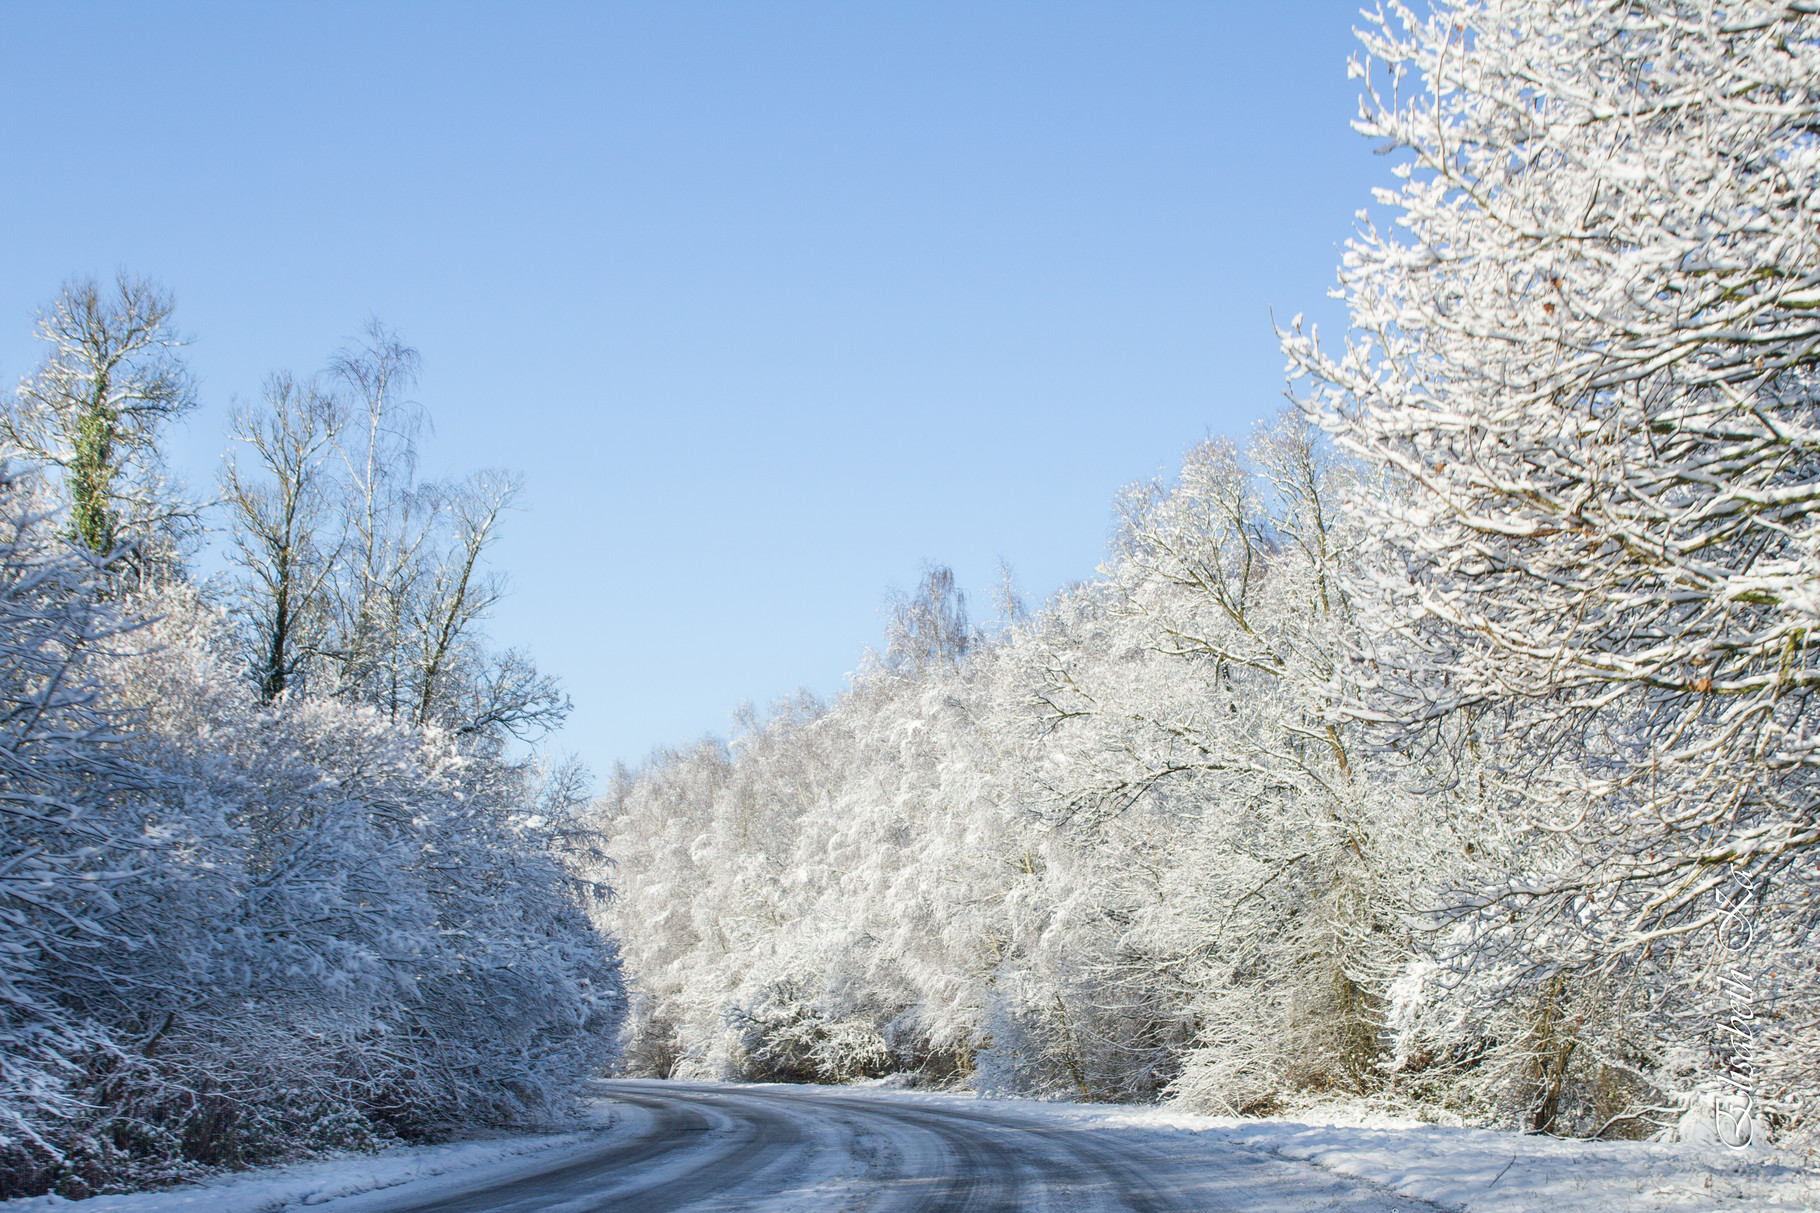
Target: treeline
[
  {"x": 270, "y": 880},
  {"x": 1453, "y": 742},
  {"x": 1109, "y": 850}
]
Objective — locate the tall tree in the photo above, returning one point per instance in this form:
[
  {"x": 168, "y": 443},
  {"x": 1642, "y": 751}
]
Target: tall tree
[
  {"x": 281, "y": 514},
  {"x": 387, "y": 518},
  {"x": 930, "y": 629},
  {"x": 456, "y": 681},
  {"x": 363, "y": 580},
  {"x": 95, "y": 409}
]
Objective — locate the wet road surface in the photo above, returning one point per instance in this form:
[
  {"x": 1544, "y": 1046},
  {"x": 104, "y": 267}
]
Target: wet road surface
[{"x": 712, "y": 1146}]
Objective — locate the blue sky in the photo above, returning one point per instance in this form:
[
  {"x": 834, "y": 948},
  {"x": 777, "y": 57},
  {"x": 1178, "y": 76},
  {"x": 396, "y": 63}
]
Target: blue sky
[{"x": 770, "y": 302}]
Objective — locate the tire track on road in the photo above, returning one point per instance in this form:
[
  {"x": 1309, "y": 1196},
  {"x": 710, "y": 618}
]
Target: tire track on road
[{"x": 716, "y": 1148}]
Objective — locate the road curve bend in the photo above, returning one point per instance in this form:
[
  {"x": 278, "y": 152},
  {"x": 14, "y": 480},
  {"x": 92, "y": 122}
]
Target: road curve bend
[{"x": 714, "y": 1146}]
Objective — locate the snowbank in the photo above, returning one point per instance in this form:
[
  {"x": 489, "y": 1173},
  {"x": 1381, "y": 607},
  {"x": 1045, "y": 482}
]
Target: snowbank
[
  {"x": 270, "y": 1189},
  {"x": 1482, "y": 1171}
]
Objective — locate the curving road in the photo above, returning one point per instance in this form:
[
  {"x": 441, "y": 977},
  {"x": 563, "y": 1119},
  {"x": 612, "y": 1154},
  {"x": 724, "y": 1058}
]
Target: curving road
[{"x": 723, "y": 1147}]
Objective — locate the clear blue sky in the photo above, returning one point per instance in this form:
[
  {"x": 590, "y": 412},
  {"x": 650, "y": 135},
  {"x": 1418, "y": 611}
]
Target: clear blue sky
[{"x": 770, "y": 302}]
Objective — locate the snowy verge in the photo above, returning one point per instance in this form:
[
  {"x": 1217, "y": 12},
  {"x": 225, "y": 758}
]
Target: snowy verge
[
  {"x": 1466, "y": 1169},
  {"x": 1486, "y": 1171},
  {"x": 299, "y": 1185}
]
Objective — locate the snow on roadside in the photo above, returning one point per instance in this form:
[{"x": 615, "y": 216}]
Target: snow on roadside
[
  {"x": 299, "y": 1185},
  {"x": 1485, "y": 1171},
  {"x": 1476, "y": 1170}
]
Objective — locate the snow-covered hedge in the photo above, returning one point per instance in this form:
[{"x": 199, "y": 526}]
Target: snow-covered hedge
[{"x": 232, "y": 930}]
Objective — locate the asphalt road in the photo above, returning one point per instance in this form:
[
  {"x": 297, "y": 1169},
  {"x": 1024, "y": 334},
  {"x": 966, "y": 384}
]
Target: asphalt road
[{"x": 722, "y": 1147}]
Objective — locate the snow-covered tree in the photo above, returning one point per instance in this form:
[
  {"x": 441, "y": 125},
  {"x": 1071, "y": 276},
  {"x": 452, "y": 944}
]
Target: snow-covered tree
[
  {"x": 360, "y": 580},
  {"x": 1115, "y": 849},
  {"x": 112, "y": 380},
  {"x": 242, "y": 918},
  {"x": 279, "y": 509},
  {"x": 284, "y": 926},
  {"x": 1585, "y": 354},
  {"x": 66, "y": 847}
]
